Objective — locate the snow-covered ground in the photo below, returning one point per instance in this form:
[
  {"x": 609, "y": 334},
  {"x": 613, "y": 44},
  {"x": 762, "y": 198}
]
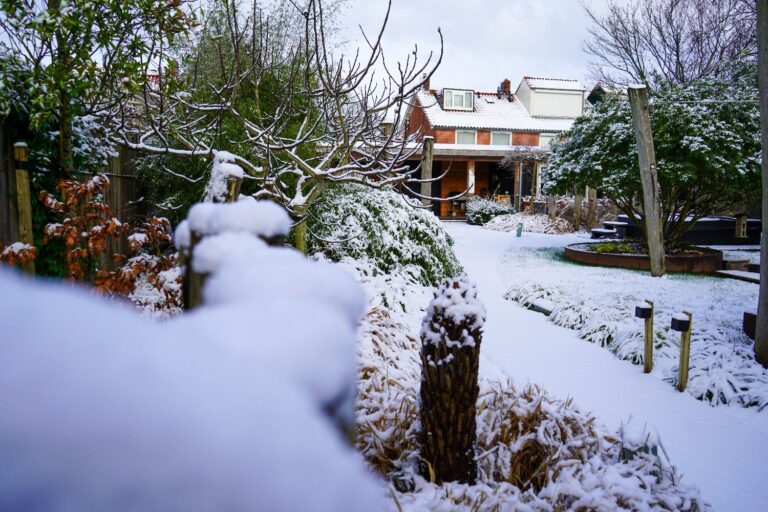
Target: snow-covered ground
[{"x": 722, "y": 450}]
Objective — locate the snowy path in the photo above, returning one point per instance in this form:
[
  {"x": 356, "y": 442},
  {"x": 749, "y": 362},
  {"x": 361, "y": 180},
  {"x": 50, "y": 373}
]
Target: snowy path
[{"x": 722, "y": 450}]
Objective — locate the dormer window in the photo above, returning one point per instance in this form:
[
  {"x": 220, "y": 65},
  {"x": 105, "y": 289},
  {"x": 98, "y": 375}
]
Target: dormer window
[{"x": 458, "y": 99}]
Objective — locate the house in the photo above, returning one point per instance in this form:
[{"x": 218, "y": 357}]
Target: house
[{"x": 474, "y": 131}]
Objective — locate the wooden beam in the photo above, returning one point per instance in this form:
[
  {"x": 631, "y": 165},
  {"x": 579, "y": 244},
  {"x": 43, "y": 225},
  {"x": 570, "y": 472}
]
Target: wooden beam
[
  {"x": 24, "y": 200},
  {"x": 638, "y": 100}
]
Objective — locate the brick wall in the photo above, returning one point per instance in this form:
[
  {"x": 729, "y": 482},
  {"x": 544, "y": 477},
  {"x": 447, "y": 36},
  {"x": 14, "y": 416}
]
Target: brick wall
[
  {"x": 483, "y": 137},
  {"x": 444, "y": 136},
  {"x": 525, "y": 139},
  {"x": 417, "y": 122}
]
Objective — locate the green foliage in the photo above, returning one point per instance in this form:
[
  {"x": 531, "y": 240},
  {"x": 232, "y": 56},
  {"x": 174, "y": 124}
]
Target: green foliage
[
  {"x": 707, "y": 142},
  {"x": 619, "y": 248},
  {"x": 480, "y": 210},
  {"x": 378, "y": 225}
]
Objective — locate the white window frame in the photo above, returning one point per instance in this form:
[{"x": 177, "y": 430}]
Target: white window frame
[
  {"x": 473, "y": 132},
  {"x": 464, "y": 94},
  {"x": 509, "y": 138}
]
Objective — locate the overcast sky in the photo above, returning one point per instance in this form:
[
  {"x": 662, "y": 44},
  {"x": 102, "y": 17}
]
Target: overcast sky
[{"x": 485, "y": 41}]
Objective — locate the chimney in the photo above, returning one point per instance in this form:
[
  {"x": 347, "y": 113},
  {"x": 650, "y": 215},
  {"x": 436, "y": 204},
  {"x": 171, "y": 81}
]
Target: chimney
[
  {"x": 506, "y": 87},
  {"x": 425, "y": 83}
]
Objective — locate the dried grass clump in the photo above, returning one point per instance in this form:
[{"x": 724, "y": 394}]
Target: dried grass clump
[{"x": 533, "y": 452}]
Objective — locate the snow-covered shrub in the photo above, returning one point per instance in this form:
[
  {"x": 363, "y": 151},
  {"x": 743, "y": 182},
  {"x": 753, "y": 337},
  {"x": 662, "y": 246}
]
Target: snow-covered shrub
[
  {"x": 228, "y": 408},
  {"x": 379, "y": 226},
  {"x": 480, "y": 210},
  {"x": 532, "y": 223},
  {"x": 533, "y": 452}
]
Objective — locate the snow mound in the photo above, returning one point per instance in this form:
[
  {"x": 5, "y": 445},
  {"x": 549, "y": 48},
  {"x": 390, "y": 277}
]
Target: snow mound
[
  {"x": 237, "y": 405},
  {"x": 261, "y": 218},
  {"x": 223, "y": 170}
]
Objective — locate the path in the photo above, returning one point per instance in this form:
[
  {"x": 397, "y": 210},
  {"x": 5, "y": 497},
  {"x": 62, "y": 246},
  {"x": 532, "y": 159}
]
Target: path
[{"x": 724, "y": 451}]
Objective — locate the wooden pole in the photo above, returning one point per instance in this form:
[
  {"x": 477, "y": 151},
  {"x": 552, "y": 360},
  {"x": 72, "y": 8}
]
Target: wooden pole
[
  {"x": 577, "y": 203},
  {"x": 427, "y": 154},
  {"x": 648, "y": 352},
  {"x": 638, "y": 100},
  {"x": 685, "y": 354},
  {"x": 591, "y": 207},
  {"x": 761, "y": 328},
  {"x": 518, "y": 194},
  {"x": 551, "y": 208},
  {"x": 24, "y": 200}
]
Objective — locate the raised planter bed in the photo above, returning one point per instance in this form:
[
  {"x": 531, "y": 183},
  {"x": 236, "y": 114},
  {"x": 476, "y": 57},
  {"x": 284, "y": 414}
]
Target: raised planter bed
[{"x": 709, "y": 262}]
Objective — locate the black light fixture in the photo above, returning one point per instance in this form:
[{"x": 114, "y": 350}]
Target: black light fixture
[
  {"x": 681, "y": 323},
  {"x": 643, "y": 310}
]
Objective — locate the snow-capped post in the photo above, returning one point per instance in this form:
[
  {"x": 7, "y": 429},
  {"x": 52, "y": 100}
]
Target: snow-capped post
[
  {"x": 24, "y": 200},
  {"x": 644, "y": 310},
  {"x": 638, "y": 100},
  {"x": 226, "y": 179},
  {"x": 683, "y": 324},
  {"x": 426, "y": 169},
  {"x": 450, "y": 355}
]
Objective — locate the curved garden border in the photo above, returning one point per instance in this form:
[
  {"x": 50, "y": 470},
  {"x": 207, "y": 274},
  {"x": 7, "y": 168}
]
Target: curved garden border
[{"x": 699, "y": 264}]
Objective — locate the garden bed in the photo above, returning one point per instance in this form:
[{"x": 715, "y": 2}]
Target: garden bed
[
  {"x": 598, "y": 303},
  {"x": 634, "y": 256}
]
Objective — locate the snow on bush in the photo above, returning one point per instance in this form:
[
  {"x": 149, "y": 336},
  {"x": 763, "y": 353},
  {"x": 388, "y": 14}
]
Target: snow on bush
[
  {"x": 379, "y": 227},
  {"x": 532, "y": 223},
  {"x": 230, "y": 407},
  {"x": 599, "y": 304},
  {"x": 480, "y": 210},
  {"x": 534, "y": 453}
]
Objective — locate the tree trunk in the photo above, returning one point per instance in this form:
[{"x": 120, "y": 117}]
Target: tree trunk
[
  {"x": 300, "y": 236},
  {"x": 66, "y": 159},
  {"x": 761, "y": 334},
  {"x": 450, "y": 355},
  {"x": 591, "y": 207},
  {"x": 638, "y": 100}
]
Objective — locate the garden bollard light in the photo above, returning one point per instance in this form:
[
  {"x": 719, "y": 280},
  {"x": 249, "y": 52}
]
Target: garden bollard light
[
  {"x": 519, "y": 230},
  {"x": 682, "y": 323},
  {"x": 644, "y": 310}
]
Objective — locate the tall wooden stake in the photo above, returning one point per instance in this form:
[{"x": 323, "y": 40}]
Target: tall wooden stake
[
  {"x": 761, "y": 330},
  {"x": 638, "y": 100},
  {"x": 427, "y": 153},
  {"x": 24, "y": 200},
  {"x": 578, "y": 201},
  {"x": 685, "y": 354},
  {"x": 648, "y": 352}
]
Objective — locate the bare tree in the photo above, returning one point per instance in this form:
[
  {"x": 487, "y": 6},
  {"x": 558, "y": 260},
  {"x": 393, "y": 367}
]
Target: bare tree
[
  {"x": 675, "y": 40},
  {"x": 327, "y": 126}
]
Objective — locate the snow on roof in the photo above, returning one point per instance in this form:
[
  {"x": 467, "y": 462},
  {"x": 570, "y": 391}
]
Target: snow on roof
[
  {"x": 557, "y": 84},
  {"x": 492, "y": 113}
]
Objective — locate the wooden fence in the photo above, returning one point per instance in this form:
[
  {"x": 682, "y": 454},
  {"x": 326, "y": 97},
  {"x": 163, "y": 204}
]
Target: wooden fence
[{"x": 122, "y": 195}]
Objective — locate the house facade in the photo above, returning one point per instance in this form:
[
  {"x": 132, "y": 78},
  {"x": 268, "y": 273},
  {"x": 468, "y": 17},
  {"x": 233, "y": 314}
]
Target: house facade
[{"x": 474, "y": 131}]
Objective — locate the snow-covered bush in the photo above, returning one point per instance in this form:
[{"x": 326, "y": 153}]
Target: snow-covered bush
[
  {"x": 532, "y": 223},
  {"x": 379, "y": 226},
  {"x": 228, "y": 408},
  {"x": 533, "y": 452},
  {"x": 480, "y": 210}
]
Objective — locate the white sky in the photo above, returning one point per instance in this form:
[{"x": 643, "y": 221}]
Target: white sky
[{"x": 485, "y": 41}]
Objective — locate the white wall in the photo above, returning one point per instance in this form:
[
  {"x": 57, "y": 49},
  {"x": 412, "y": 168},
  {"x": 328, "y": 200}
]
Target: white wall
[
  {"x": 546, "y": 138},
  {"x": 523, "y": 94},
  {"x": 556, "y": 103}
]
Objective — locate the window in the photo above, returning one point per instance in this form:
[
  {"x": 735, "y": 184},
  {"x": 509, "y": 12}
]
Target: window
[
  {"x": 466, "y": 137},
  {"x": 458, "y": 99},
  {"x": 501, "y": 138}
]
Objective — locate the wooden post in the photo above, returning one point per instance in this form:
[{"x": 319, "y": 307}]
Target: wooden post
[
  {"x": 761, "y": 331},
  {"x": 551, "y": 208},
  {"x": 518, "y": 192},
  {"x": 648, "y": 352},
  {"x": 471, "y": 177},
  {"x": 427, "y": 154},
  {"x": 638, "y": 100},
  {"x": 591, "y": 207},
  {"x": 685, "y": 354},
  {"x": 24, "y": 199},
  {"x": 192, "y": 285},
  {"x": 577, "y": 204}
]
